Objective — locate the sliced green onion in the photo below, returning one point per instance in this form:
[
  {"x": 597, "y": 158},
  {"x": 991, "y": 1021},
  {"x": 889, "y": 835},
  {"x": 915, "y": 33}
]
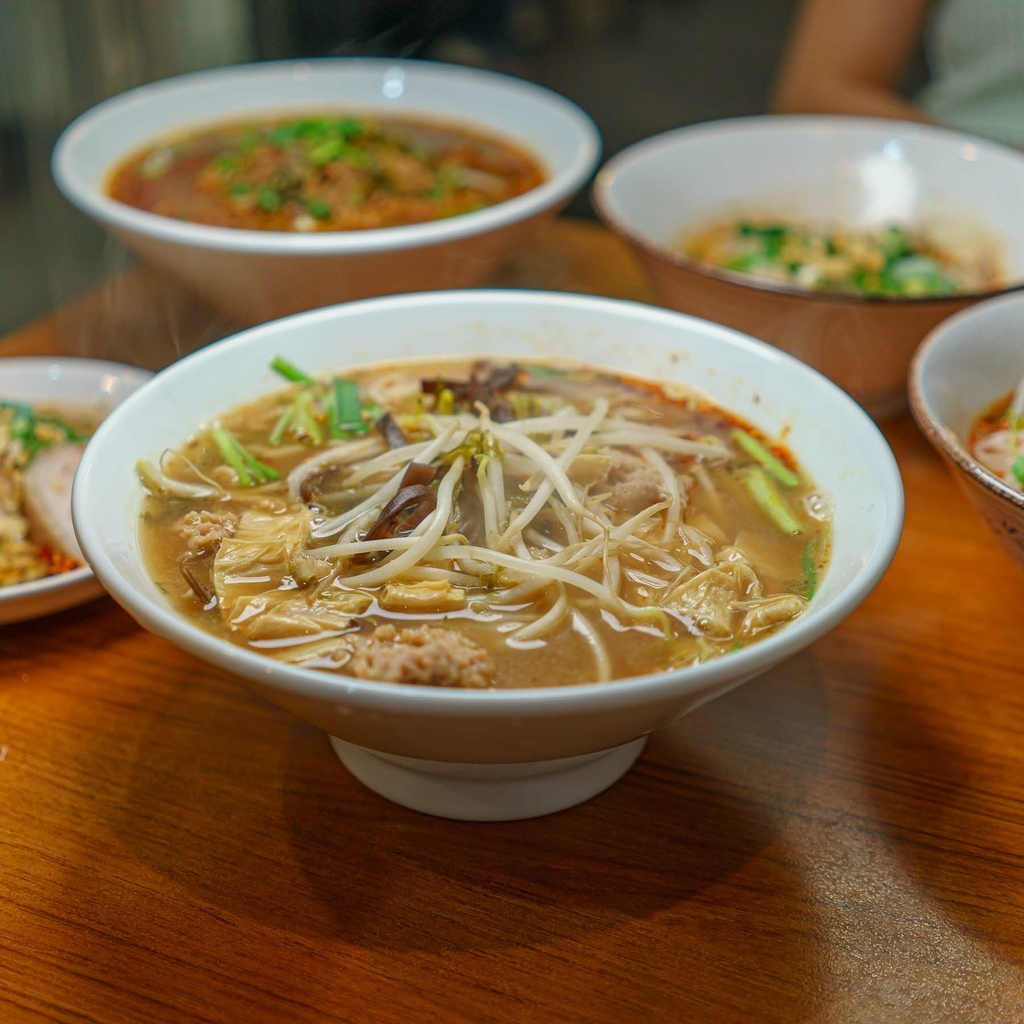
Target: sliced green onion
[
  {"x": 759, "y": 453},
  {"x": 1017, "y": 469},
  {"x": 556, "y": 372},
  {"x": 318, "y": 208},
  {"x": 763, "y": 490},
  {"x": 809, "y": 561},
  {"x": 326, "y": 152},
  {"x": 283, "y": 134},
  {"x": 25, "y": 424},
  {"x": 305, "y": 417},
  {"x": 312, "y": 127},
  {"x": 373, "y": 410},
  {"x": 894, "y": 243},
  {"x": 347, "y": 415},
  {"x": 268, "y": 199},
  {"x": 346, "y": 401},
  {"x": 349, "y": 127},
  {"x": 290, "y": 371},
  {"x": 240, "y": 188},
  {"x": 249, "y": 469},
  {"x": 282, "y": 424}
]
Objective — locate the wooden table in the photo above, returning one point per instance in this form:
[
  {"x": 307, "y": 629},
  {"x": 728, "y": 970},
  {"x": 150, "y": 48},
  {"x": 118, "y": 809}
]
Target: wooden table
[{"x": 839, "y": 841}]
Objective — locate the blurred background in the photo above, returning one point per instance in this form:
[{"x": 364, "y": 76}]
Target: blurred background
[{"x": 637, "y": 66}]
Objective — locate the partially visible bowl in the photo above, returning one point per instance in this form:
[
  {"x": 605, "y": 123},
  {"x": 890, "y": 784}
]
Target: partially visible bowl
[
  {"x": 88, "y": 385},
  {"x": 254, "y": 276},
  {"x": 499, "y": 754},
  {"x": 966, "y": 365},
  {"x": 857, "y": 172}
]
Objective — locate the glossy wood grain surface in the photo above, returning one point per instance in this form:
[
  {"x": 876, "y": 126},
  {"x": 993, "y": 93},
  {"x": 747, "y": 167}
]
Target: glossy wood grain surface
[{"x": 839, "y": 840}]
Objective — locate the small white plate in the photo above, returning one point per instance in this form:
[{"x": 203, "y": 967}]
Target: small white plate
[{"x": 68, "y": 383}]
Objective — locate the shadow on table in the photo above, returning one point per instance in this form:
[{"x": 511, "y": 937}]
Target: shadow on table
[
  {"x": 242, "y": 808},
  {"x": 948, "y": 797},
  {"x": 709, "y": 793}
]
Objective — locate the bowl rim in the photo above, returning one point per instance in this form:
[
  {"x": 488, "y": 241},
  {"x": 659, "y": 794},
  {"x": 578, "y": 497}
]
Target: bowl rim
[
  {"x": 737, "y": 666},
  {"x": 614, "y": 219},
  {"x": 938, "y": 434},
  {"x": 31, "y": 591},
  {"x": 91, "y": 198}
]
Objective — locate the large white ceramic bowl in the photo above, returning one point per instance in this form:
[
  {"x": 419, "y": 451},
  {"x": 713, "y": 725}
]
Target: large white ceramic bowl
[
  {"x": 254, "y": 276},
  {"x": 91, "y": 387},
  {"x": 859, "y": 172},
  {"x": 509, "y": 753},
  {"x": 963, "y": 368}
]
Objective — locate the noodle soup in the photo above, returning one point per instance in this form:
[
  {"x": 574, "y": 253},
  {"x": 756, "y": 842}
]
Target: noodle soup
[{"x": 484, "y": 525}]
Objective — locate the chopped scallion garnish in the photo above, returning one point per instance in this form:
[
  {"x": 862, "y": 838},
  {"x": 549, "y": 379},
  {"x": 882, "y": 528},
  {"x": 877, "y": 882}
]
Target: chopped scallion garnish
[
  {"x": 25, "y": 424},
  {"x": 282, "y": 424},
  {"x": 1017, "y": 469},
  {"x": 346, "y": 412},
  {"x": 290, "y": 371},
  {"x": 305, "y": 418},
  {"x": 809, "y": 562},
  {"x": 763, "y": 490},
  {"x": 318, "y": 208},
  {"x": 268, "y": 199},
  {"x": 760, "y": 454},
  {"x": 251, "y": 472}
]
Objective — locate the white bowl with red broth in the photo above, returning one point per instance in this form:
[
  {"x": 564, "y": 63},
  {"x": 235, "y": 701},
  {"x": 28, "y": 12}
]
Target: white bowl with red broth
[
  {"x": 967, "y": 396},
  {"x": 48, "y": 410},
  {"x": 489, "y": 541},
  {"x": 277, "y": 187},
  {"x": 841, "y": 240}
]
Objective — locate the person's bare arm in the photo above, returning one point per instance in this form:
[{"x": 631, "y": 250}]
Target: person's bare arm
[{"x": 849, "y": 56}]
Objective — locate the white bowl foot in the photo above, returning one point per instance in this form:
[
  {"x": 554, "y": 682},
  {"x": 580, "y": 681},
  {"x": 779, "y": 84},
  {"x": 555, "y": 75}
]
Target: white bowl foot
[{"x": 488, "y": 792}]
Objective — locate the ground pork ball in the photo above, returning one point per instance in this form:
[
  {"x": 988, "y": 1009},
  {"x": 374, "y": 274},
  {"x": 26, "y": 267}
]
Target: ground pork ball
[
  {"x": 203, "y": 531},
  {"x": 633, "y": 484},
  {"x": 427, "y": 655}
]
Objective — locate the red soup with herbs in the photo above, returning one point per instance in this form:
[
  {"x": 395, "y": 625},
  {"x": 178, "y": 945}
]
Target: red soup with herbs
[{"x": 331, "y": 172}]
